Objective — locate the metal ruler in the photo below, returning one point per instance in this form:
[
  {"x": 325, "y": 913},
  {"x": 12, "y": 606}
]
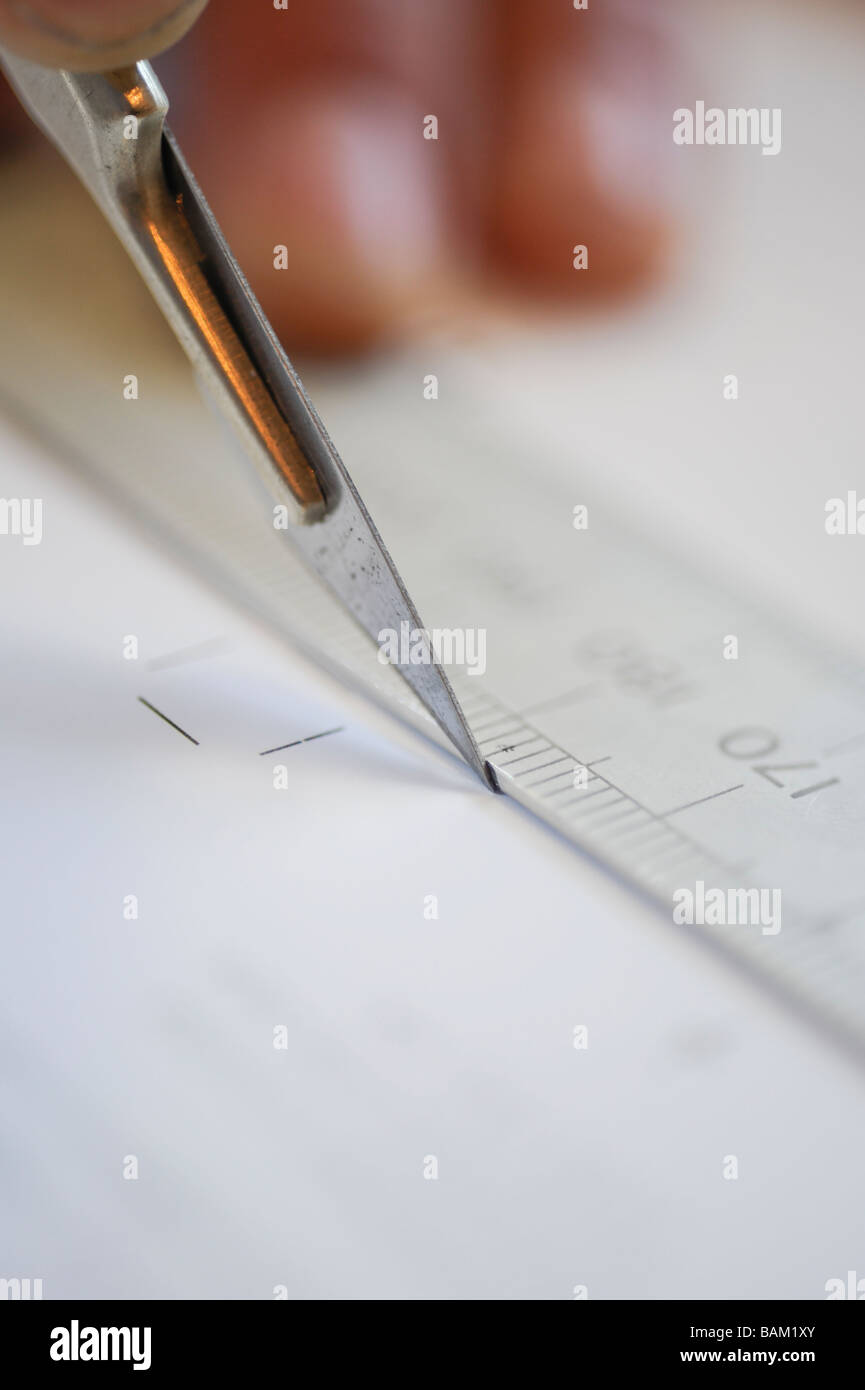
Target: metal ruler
[{"x": 607, "y": 707}]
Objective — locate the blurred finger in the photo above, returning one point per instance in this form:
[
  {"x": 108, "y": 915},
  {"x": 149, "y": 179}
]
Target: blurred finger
[
  {"x": 582, "y": 153},
  {"x": 308, "y": 134},
  {"x": 89, "y": 35}
]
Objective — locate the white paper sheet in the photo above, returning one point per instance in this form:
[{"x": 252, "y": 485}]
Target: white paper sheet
[{"x": 408, "y": 1038}]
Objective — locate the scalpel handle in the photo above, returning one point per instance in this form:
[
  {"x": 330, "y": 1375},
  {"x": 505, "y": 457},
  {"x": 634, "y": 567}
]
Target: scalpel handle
[{"x": 110, "y": 127}]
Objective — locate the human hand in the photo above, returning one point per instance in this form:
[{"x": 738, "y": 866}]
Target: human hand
[{"x": 306, "y": 128}]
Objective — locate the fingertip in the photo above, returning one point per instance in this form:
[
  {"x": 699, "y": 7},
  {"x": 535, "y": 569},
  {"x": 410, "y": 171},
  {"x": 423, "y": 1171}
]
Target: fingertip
[
  {"x": 578, "y": 209},
  {"x": 584, "y": 159},
  {"x": 329, "y": 201},
  {"x": 94, "y": 35}
]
